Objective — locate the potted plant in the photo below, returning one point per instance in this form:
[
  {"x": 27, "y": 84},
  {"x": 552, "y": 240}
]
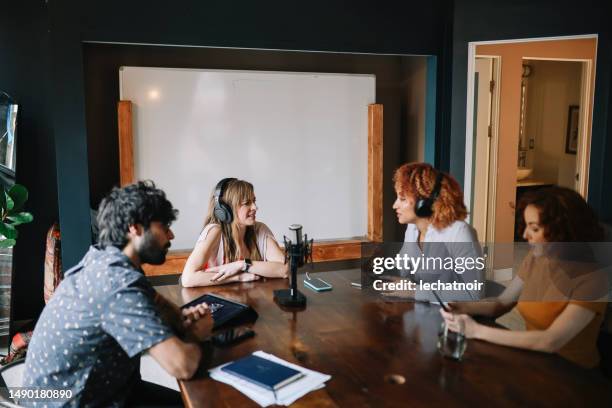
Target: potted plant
[{"x": 12, "y": 214}]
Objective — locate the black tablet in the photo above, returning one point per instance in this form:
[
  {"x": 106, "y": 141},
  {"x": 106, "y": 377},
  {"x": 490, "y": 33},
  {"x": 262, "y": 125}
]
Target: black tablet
[{"x": 225, "y": 312}]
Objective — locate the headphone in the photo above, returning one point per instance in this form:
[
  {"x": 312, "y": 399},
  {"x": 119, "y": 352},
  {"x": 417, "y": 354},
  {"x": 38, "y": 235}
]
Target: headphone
[
  {"x": 222, "y": 211},
  {"x": 423, "y": 206}
]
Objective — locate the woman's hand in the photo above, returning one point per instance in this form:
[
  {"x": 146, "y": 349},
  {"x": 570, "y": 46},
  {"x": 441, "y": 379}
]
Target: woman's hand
[
  {"x": 225, "y": 271},
  {"x": 246, "y": 277},
  {"x": 457, "y": 322}
]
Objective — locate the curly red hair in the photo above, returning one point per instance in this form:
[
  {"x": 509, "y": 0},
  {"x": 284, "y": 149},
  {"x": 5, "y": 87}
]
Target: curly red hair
[{"x": 418, "y": 180}]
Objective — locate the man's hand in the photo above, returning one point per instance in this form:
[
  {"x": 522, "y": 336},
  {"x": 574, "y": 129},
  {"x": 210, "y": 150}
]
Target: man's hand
[
  {"x": 198, "y": 321},
  {"x": 193, "y": 314}
]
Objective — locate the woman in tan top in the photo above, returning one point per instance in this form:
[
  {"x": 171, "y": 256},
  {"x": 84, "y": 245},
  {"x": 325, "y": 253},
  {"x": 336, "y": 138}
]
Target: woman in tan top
[
  {"x": 233, "y": 246},
  {"x": 561, "y": 291}
]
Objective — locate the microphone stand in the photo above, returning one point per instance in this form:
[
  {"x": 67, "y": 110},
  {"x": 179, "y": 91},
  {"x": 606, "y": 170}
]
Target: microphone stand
[{"x": 297, "y": 254}]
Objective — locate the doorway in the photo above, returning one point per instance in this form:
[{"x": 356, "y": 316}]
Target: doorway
[
  {"x": 492, "y": 197},
  {"x": 551, "y": 119}
]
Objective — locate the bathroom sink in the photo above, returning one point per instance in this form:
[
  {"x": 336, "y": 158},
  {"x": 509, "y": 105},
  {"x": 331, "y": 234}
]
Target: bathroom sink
[{"x": 523, "y": 173}]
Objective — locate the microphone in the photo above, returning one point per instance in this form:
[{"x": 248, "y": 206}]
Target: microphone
[
  {"x": 300, "y": 251},
  {"x": 297, "y": 228},
  {"x": 297, "y": 253}
]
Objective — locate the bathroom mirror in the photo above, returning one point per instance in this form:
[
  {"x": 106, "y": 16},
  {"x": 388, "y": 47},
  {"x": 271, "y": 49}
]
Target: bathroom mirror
[
  {"x": 8, "y": 130},
  {"x": 525, "y": 143}
]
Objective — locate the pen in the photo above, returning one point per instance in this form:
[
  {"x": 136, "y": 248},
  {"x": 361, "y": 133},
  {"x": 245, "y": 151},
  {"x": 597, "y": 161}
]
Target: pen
[{"x": 446, "y": 309}]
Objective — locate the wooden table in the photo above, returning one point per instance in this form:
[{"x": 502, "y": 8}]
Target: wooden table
[{"x": 363, "y": 342}]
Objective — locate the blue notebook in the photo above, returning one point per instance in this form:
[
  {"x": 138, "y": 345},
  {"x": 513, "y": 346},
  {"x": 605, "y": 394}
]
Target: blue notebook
[{"x": 262, "y": 372}]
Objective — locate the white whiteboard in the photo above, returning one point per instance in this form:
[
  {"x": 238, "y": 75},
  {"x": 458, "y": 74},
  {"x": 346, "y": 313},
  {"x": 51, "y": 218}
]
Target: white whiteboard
[{"x": 300, "y": 138}]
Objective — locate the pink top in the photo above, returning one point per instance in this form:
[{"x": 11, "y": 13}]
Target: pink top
[{"x": 262, "y": 232}]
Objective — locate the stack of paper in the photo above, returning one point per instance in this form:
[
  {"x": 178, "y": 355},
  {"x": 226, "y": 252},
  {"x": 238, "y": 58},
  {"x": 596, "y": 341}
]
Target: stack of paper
[{"x": 288, "y": 394}]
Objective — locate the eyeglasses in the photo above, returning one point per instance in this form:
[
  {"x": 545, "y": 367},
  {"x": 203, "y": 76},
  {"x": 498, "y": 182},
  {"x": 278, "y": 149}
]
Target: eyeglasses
[{"x": 164, "y": 225}]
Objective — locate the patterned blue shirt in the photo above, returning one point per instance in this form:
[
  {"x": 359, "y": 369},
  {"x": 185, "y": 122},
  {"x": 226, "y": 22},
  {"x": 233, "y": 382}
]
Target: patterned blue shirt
[{"x": 90, "y": 335}]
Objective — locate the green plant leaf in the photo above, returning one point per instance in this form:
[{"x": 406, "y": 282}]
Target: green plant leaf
[
  {"x": 19, "y": 195},
  {"x": 8, "y": 231},
  {"x": 21, "y": 218},
  {"x": 9, "y": 202},
  {"x": 7, "y": 243}
]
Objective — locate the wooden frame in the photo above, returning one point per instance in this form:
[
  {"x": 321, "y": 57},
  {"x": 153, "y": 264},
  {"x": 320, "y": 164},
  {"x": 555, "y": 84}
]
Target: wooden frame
[
  {"x": 126, "y": 143},
  {"x": 573, "y": 130},
  {"x": 335, "y": 250},
  {"x": 375, "y": 172}
]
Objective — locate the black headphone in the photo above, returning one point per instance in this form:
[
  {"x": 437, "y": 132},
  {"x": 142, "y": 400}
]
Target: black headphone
[
  {"x": 423, "y": 206},
  {"x": 223, "y": 212}
]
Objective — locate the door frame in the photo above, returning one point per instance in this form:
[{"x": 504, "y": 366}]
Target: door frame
[
  {"x": 492, "y": 151},
  {"x": 585, "y": 144}
]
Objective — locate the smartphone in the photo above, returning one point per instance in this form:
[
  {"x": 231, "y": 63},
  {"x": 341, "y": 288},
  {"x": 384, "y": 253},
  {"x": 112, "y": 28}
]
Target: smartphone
[
  {"x": 232, "y": 336},
  {"x": 318, "y": 285}
]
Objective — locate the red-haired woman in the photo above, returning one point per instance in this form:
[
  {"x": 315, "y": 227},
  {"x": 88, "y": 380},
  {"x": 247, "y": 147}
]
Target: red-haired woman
[
  {"x": 430, "y": 202},
  {"x": 560, "y": 290}
]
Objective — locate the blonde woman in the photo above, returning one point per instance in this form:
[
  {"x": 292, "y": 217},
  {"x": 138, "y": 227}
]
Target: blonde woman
[{"x": 233, "y": 246}]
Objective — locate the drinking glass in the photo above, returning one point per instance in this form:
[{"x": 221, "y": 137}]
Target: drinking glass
[{"x": 452, "y": 344}]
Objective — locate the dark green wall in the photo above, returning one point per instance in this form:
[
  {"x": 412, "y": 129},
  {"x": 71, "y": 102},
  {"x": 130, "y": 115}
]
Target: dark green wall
[{"x": 24, "y": 74}]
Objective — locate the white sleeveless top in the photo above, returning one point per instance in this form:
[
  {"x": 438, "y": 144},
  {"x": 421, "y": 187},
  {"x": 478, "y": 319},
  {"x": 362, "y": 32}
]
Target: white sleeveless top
[{"x": 262, "y": 232}]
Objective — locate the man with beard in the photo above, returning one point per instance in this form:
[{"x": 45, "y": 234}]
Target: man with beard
[{"x": 105, "y": 313}]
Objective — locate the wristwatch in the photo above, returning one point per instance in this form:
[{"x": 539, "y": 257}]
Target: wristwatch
[{"x": 247, "y": 265}]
